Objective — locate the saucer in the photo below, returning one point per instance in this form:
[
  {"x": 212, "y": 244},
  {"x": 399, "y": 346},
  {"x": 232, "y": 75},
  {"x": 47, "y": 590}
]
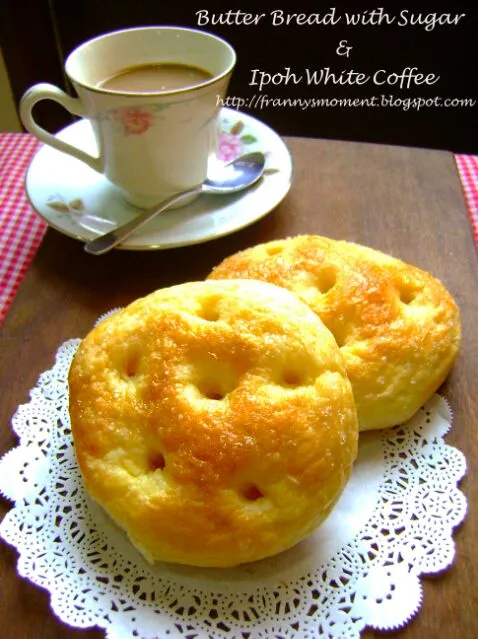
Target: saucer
[{"x": 81, "y": 203}]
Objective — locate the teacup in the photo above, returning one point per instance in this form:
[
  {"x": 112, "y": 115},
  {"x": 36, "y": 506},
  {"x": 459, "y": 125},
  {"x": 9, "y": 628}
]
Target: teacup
[{"x": 152, "y": 95}]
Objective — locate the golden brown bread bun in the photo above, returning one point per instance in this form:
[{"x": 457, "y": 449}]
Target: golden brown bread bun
[
  {"x": 397, "y": 327},
  {"x": 214, "y": 421}
]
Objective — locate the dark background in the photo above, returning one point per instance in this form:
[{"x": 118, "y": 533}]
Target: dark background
[{"x": 37, "y": 35}]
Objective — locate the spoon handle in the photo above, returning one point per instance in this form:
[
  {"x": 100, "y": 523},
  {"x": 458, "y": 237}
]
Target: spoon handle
[{"x": 105, "y": 243}]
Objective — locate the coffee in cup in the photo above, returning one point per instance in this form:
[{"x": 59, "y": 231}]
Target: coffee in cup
[
  {"x": 145, "y": 78},
  {"x": 152, "y": 95}
]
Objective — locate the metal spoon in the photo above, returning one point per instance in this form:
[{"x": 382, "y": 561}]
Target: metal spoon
[{"x": 238, "y": 175}]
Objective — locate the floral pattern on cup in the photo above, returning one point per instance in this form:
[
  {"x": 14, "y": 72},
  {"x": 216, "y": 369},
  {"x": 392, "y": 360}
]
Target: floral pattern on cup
[
  {"x": 233, "y": 139},
  {"x": 135, "y": 120}
]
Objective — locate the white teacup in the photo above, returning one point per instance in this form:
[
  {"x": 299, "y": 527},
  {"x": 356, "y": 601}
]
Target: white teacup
[{"x": 155, "y": 130}]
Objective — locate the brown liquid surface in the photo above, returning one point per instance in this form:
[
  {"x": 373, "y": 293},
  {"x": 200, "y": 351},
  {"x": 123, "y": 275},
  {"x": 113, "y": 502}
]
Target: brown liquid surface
[{"x": 152, "y": 78}]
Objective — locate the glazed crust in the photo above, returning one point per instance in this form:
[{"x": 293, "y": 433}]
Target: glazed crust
[
  {"x": 214, "y": 421},
  {"x": 397, "y": 327}
]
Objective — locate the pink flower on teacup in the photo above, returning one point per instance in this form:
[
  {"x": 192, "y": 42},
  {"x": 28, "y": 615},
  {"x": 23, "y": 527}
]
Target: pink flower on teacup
[{"x": 135, "y": 120}]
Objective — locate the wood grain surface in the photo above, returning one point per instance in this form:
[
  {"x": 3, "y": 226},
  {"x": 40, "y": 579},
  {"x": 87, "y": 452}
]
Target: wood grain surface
[{"x": 407, "y": 202}]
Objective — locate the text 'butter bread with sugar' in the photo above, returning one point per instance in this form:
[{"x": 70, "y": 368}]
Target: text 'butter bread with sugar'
[
  {"x": 397, "y": 327},
  {"x": 214, "y": 421}
]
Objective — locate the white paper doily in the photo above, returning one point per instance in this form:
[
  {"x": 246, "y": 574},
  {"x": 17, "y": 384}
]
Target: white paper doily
[{"x": 362, "y": 568}]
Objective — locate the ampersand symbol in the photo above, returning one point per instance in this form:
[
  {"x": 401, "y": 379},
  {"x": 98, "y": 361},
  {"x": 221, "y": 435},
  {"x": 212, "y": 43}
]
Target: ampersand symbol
[{"x": 343, "y": 49}]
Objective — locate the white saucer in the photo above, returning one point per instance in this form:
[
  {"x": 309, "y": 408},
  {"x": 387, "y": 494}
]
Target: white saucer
[{"x": 79, "y": 202}]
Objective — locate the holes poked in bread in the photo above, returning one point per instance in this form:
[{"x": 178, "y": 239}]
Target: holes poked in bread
[
  {"x": 274, "y": 249},
  {"x": 211, "y": 389},
  {"x": 156, "y": 461},
  {"x": 309, "y": 285},
  {"x": 291, "y": 377},
  {"x": 209, "y": 378},
  {"x": 326, "y": 279},
  {"x": 131, "y": 366},
  {"x": 209, "y": 309},
  {"x": 342, "y": 333},
  {"x": 293, "y": 370},
  {"x": 251, "y": 492},
  {"x": 407, "y": 294},
  {"x": 129, "y": 362},
  {"x": 340, "y": 337}
]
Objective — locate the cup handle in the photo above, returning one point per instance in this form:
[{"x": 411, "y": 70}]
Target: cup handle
[{"x": 45, "y": 91}]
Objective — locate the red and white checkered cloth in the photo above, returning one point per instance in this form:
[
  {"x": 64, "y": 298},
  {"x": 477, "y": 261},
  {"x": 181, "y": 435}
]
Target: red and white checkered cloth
[
  {"x": 468, "y": 170},
  {"x": 21, "y": 229}
]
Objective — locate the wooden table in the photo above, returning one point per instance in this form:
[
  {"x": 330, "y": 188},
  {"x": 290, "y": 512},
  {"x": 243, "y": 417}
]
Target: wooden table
[{"x": 407, "y": 202}]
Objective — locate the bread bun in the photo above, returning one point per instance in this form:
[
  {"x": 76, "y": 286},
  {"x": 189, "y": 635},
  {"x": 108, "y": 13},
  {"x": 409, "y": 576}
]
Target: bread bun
[
  {"x": 214, "y": 421},
  {"x": 397, "y": 327}
]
